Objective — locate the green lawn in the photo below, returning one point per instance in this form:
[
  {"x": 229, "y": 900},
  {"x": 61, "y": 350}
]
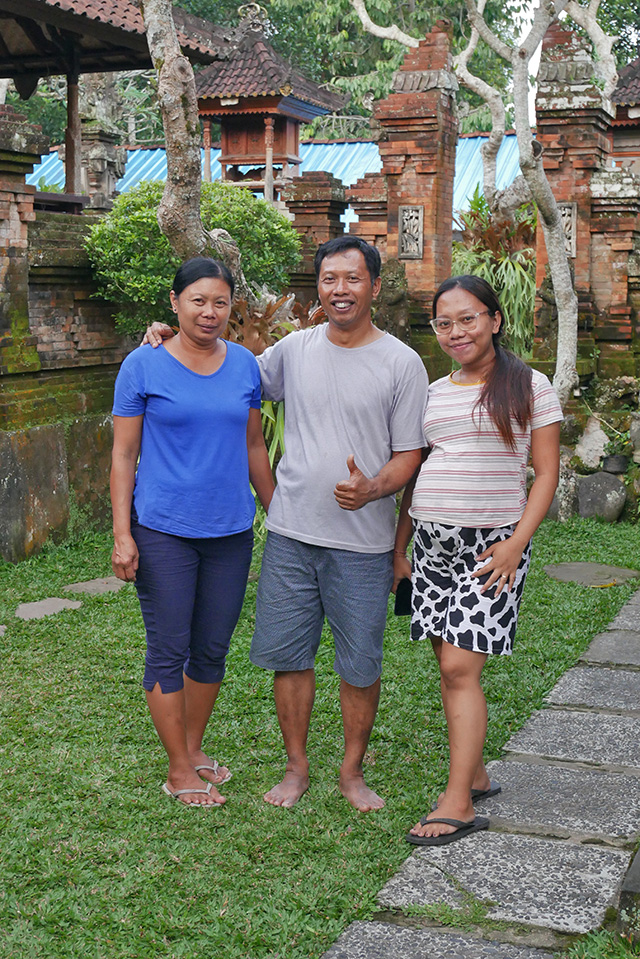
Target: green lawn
[{"x": 96, "y": 862}]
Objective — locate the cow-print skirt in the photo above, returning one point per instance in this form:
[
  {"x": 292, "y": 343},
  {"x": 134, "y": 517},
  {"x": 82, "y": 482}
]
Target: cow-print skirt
[{"x": 446, "y": 600}]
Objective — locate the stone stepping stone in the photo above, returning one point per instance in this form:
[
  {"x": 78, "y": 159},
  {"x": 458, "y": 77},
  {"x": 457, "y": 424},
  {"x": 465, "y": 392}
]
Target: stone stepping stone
[
  {"x": 627, "y": 618},
  {"x": 540, "y": 798},
  {"x": 590, "y": 574},
  {"x": 383, "y": 940},
  {"x": 95, "y": 587},
  {"x": 600, "y": 688},
  {"x": 3, "y": 630},
  {"x": 620, "y": 647},
  {"x": 594, "y": 738},
  {"x": 45, "y": 607},
  {"x": 538, "y": 882}
]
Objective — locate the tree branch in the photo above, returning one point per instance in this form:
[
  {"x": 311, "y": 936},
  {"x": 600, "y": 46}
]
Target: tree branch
[
  {"x": 388, "y": 33},
  {"x": 605, "y": 64}
]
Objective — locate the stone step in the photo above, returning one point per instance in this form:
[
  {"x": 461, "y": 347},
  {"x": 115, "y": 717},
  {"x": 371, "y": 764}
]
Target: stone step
[
  {"x": 627, "y": 618},
  {"x": 383, "y": 940},
  {"x": 594, "y": 738},
  {"x": 537, "y": 882},
  {"x": 598, "y": 688},
  {"x": 45, "y": 607},
  {"x": 619, "y": 647},
  {"x": 585, "y": 804},
  {"x": 95, "y": 587}
]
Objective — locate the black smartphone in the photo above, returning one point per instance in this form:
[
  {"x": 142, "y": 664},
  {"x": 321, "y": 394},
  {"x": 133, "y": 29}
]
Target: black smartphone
[{"x": 403, "y": 598}]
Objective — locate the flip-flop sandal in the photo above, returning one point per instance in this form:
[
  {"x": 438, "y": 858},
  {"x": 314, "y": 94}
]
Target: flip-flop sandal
[
  {"x": 214, "y": 769},
  {"x": 182, "y": 792},
  {"x": 493, "y": 790},
  {"x": 462, "y": 829}
]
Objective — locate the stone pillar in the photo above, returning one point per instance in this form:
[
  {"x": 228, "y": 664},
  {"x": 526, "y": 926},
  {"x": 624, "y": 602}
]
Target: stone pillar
[
  {"x": 410, "y": 202},
  {"x": 21, "y": 146},
  {"x": 103, "y": 163},
  {"x": 599, "y": 207},
  {"x": 316, "y": 200}
]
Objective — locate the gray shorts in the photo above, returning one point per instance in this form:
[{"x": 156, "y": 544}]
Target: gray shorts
[{"x": 299, "y": 585}]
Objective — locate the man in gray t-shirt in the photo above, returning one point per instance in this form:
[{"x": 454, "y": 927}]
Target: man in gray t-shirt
[{"x": 353, "y": 437}]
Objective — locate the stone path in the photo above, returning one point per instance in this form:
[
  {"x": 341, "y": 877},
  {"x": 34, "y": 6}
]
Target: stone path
[{"x": 558, "y": 855}]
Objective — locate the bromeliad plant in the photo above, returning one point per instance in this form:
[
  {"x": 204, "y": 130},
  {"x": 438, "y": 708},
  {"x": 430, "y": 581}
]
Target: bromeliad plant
[{"x": 503, "y": 253}]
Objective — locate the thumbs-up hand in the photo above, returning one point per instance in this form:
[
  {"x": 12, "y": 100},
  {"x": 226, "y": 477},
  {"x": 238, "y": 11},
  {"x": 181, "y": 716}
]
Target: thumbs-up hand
[{"x": 357, "y": 490}]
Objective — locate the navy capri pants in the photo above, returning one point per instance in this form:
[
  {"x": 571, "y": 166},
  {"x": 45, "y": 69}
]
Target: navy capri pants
[{"x": 191, "y": 593}]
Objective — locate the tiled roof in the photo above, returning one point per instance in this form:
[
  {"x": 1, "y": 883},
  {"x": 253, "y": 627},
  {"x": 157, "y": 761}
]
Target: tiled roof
[
  {"x": 628, "y": 90},
  {"x": 124, "y": 14},
  {"x": 256, "y": 70},
  {"x": 105, "y": 34}
]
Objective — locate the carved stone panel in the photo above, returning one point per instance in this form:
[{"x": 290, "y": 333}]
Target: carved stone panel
[
  {"x": 411, "y": 232},
  {"x": 569, "y": 216}
]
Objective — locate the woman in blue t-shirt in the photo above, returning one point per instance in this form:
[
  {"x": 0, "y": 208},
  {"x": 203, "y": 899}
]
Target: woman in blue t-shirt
[{"x": 187, "y": 443}]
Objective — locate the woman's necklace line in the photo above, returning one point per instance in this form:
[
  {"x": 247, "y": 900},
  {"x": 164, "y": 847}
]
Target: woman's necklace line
[{"x": 456, "y": 383}]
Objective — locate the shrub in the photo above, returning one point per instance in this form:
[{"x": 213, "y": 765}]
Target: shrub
[
  {"x": 502, "y": 252},
  {"x": 134, "y": 263}
]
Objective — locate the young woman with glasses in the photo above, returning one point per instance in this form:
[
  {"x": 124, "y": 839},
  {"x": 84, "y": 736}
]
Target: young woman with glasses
[{"x": 472, "y": 524}]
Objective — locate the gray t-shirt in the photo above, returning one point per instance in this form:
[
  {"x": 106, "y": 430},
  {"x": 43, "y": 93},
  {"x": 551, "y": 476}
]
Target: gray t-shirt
[{"x": 368, "y": 401}]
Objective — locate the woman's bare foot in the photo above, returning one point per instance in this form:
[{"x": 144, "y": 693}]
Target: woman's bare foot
[
  {"x": 446, "y": 810},
  {"x": 190, "y": 780},
  {"x": 288, "y": 792},
  {"x": 355, "y": 790},
  {"x": 480, "y": 784}
]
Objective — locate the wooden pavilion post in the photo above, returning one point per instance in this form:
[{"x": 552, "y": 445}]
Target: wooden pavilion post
[
  {"x": 206, "y": 125},
  {"x": 268, "y": 169},
  {"x": 73, "y": 136}
]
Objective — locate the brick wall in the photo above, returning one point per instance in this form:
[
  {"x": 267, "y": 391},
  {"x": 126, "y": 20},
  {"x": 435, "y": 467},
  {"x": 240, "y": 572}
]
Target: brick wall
[{"x": 59, "y": 355}]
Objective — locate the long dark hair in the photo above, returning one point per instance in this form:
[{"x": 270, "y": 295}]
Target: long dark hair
[
  {"x": 199, "y": 267},
  {"x": 507, "y": 393}
]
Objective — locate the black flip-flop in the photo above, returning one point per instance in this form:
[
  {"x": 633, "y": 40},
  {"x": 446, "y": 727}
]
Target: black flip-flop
[
  {"x": 462, "y": 829},
  {"x": 493, "y": 790}
]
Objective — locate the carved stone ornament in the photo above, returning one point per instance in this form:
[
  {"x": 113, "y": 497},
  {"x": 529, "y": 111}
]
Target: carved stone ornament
[
  {"x": 417, "y": 81},
  {"x": 569, "y": 217},
  {"x": 411, "y": 232}
]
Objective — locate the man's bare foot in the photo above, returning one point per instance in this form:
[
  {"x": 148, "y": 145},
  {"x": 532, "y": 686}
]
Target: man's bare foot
[
  {"x": 288, "y": 792},
  {"x": 446, "y": 810},
  {"x": 355, "y": 790},
  {"x": 209, "y": 769},
  {"x": 199, "y": 797}
]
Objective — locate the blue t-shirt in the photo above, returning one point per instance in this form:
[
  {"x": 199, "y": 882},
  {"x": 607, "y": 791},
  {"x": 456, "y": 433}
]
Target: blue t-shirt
[{"x": 193, "y": 473}]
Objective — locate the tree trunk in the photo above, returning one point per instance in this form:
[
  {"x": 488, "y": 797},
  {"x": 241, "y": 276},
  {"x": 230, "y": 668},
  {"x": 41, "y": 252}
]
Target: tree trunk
[
  {"x": 565, "y": 377},
  {"x": 179, "y": 211}
]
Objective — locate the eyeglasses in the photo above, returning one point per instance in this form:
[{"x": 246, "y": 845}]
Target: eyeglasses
[{"x": 442, "y": 325}]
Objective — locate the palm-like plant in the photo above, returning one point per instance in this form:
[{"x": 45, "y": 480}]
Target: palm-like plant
[{"x": 503, "y": 253}]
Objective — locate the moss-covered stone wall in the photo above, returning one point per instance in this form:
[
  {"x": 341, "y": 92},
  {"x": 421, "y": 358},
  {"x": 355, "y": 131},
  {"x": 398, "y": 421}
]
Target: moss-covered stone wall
[{"x": 59, "y": 356}]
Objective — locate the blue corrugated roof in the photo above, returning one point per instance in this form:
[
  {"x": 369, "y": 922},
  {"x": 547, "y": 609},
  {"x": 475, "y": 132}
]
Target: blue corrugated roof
[
  {"x": 347, "y": 161},
  {"x": 468, "y": 173}
]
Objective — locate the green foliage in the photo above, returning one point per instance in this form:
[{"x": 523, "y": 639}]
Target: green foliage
[
  {"x": 45, "y": 187},
  {"x": 602, "y": 945},
  {"x": 328, "y": 43},
  {"x": 502, "y": 253},
  {"x": 135, "y": 265},
  {"x": 46, "y": 107}
]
